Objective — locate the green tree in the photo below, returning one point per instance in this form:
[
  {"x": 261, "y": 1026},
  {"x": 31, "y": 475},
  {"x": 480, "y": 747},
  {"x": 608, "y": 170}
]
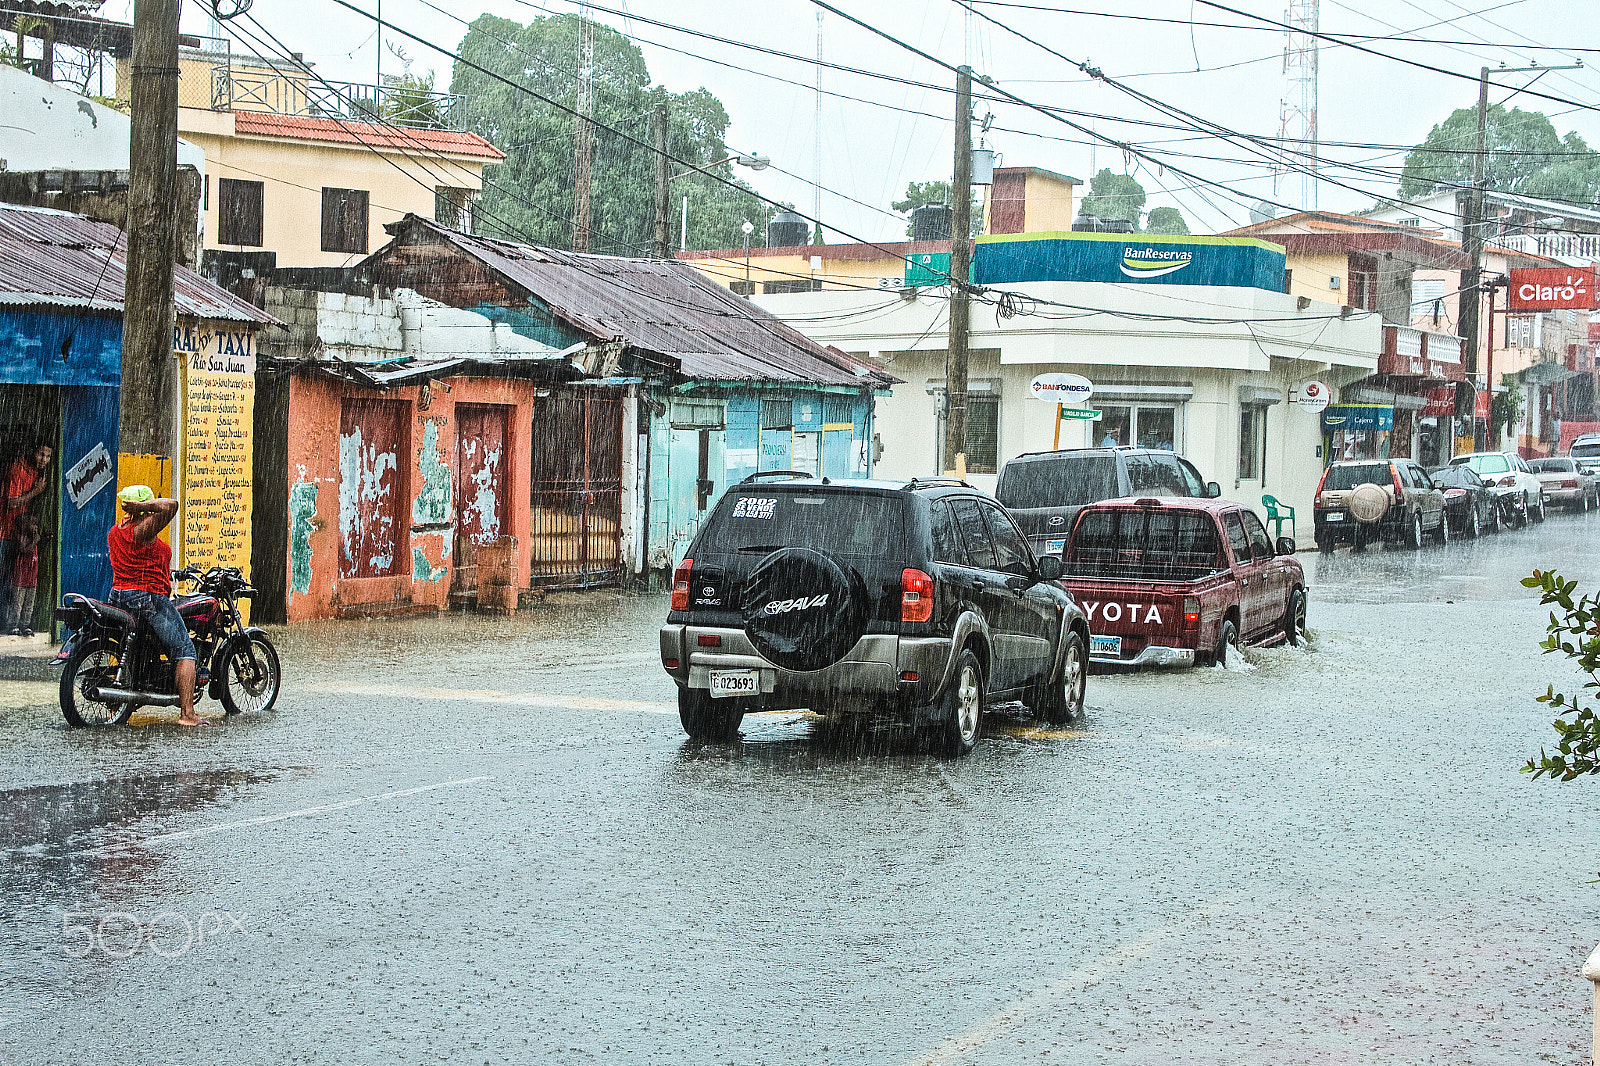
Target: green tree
[
  {"x": 410, "y": 100},
  {"x": 1166, "y": 220},
  {"x": 1523, "y": 155},
  {"x": 1113, "y": 195},
  {"x": 530, "y": 196},
  {"x": 1575, "y": 633}
]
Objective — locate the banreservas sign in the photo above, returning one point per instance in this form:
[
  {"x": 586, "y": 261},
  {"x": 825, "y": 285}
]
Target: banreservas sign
[
  {"x": 1550, "y": 289},
  {"x": 1070, "y": 389}
]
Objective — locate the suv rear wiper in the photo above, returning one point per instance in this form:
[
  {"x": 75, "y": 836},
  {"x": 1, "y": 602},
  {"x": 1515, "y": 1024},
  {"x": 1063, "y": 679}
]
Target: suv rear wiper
[{"x": 761, "y": 547}]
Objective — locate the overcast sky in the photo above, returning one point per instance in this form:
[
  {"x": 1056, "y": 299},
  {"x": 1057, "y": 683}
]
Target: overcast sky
[{"x": 870, "y": 152}]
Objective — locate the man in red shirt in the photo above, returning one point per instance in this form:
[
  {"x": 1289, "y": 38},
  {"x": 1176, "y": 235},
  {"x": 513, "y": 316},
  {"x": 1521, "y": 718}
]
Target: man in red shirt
[
  {"x": 25, "y": 481},
  {"x": 141, "y": 582}
]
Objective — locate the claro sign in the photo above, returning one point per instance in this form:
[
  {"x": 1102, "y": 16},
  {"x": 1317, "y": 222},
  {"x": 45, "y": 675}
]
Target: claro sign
[{"x": 1551, "y": 289}]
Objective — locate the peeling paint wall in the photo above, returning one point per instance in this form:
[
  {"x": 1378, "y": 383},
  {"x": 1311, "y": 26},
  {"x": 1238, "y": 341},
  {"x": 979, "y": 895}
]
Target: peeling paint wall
[{"x": 302, "y": 522}]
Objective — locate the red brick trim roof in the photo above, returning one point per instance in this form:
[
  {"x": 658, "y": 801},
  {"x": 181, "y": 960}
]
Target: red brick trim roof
[{"x": 261, "y": 124}]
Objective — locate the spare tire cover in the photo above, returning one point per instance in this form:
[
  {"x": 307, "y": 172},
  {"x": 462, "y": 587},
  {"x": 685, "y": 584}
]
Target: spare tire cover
[
  {"x": 803, "y": 610},
  {"x": 1367, "y": 502}
]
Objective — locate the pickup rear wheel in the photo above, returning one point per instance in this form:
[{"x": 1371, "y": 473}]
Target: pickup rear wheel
[
  {"x": 1061, "y": 700},
  {"x": 1226, "y": 642}
]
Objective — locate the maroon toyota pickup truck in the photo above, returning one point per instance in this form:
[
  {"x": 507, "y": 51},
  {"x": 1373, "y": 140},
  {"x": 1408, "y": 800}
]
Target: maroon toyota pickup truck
[{"x": 1172, "y": 582}]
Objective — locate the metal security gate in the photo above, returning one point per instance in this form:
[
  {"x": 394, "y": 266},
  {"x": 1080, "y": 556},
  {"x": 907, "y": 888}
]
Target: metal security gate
[{"x": 576, "y": 526}]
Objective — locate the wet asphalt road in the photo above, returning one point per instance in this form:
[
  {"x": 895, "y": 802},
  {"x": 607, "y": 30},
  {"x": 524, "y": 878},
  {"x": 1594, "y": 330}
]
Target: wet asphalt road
[{"x": 475, "y": 840}]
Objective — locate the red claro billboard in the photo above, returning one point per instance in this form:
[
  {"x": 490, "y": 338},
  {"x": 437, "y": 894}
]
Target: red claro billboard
[{"x": 1551, "y": 289}]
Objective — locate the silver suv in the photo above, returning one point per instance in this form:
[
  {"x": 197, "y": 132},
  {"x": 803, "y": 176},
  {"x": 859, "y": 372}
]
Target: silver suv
[
  {"x": 1585, "y": 451},
  {"x": 914, "y": 599}
]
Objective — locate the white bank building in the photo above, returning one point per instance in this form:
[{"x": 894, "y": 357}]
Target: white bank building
[{"x": 1190, "y": 343}]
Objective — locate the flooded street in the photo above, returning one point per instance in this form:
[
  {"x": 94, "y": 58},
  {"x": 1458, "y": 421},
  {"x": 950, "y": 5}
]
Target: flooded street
[{"x": 471, "y": 839}]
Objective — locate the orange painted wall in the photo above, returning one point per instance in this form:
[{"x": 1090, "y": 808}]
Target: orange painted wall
[{"x": 313, "y": 476}]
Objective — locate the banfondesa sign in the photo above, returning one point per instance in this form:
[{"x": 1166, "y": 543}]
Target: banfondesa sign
[
  {"x": 1154, "y": 262},
  {"x": 1069, "y": 389}
]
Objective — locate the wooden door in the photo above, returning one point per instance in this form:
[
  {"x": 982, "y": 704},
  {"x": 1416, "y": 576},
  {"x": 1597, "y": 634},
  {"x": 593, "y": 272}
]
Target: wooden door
[{"x": 481, "y": 433}]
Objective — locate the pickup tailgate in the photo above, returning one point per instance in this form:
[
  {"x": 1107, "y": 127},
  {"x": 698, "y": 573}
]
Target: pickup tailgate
[{"x": 1126, "y": 617}]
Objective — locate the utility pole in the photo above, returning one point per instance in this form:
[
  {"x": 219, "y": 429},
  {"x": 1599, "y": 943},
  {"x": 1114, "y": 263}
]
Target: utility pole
[
  {"x": 1472, "y": 242},
  {"x": 663, "y": 240},
  {"x": 955, "y": 372},
  {"x": 149, "y": 375}
]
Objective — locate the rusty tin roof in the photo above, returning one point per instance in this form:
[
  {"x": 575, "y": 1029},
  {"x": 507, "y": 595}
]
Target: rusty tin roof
[
  {"x": 54, "y": 259},
  {"x": 656, "y": 306}
]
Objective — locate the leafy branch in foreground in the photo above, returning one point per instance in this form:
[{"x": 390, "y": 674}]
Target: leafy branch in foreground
[{"x": 1575, "y": 634}]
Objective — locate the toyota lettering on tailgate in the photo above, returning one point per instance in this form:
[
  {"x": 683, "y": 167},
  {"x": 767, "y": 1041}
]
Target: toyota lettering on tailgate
[{"x": 1113, "y": 612}]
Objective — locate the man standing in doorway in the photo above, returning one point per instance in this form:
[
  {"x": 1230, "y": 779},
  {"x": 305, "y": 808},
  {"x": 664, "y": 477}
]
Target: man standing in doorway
[{"x": 24, "y": 483}]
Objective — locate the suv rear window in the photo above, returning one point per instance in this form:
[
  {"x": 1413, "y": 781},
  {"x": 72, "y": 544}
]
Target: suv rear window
[
  {"x": 841, "y": 523},
  {"x": 1587, "y": 450},
  {"x": 1348, "y": 477},
  {"x": 1063, "y": 482},
  {"x": 1157, "y": 544}
]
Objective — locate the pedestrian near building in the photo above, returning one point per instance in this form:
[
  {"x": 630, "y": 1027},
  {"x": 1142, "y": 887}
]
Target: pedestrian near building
[
  {"x": 18, "y": 619},
  {"x": 25, "y": 482}
]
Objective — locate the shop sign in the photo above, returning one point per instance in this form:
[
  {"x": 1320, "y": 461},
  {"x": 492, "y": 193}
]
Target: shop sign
[
  {"x": 1441, "y": 403},
  {"x": 1550, "y": 289},
  {"x": 1481, "y": 408},
  {"x": 1069, "y": 389},
  {"x": 1357, "y": 417},
  {"x": 90, "y": 474},
  {"x": 1314, "y": 397}
]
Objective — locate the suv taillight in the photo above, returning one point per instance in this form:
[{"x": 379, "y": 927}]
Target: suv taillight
[
  {"x": 1399, "y": 489},
  {"x": 680, "y": 585},
  {"x": 1317, "y": 502},
  {"x": 916, "y": 596}
]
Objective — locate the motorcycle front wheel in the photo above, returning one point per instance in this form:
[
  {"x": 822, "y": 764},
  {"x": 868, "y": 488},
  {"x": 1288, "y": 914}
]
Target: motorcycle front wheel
[
  {"x": 250, "y": 676},
  {"x": 92, "y": 664}
]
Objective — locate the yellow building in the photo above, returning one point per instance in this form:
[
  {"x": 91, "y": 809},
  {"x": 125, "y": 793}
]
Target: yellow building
[{"x": 289, "y": 170}]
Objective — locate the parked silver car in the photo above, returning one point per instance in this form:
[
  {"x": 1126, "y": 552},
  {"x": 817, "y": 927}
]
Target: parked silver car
[
  {"x": 1564, "y": 484},
  {"x": 1508, "y": 474},
  {"x": 1585, "y": 451}
]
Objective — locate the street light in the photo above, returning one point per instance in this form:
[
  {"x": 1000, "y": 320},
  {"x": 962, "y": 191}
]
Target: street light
[
  {"x": 753, "y": 161},
  {"x": 748, "y": 228}
]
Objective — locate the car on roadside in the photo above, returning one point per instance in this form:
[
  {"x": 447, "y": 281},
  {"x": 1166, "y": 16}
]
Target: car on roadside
[
  {"x": 1585, "y": 451},
  {"x": 1044, "y": 491},
  {"x": 918, "y": 600},
  {"x": 1564, "y": 484},
  {"x": 1508, "y": 476},
  {"x": 1467, "y": 500},
  {"x": 1361, "y": 501},
  {"x": 1175, "y": 582}
]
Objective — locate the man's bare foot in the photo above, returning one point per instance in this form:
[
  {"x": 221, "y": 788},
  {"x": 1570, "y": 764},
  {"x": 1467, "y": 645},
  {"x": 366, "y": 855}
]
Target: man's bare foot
[{"x": 196, "y": 720}]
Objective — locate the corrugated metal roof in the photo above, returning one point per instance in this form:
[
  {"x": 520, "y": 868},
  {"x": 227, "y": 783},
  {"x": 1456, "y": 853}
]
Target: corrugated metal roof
[
  {"x": 657, "y": 306},
  {"x": 54, "y": 259},
  {"x": 556, "y": 365},
  {"x": 366, "y": 134}
]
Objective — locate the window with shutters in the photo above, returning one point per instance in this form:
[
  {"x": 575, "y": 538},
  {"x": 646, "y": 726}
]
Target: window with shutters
[
  {"x": 239, "y": 213},
  {"x": 983, "y": 433},
  {"x": 344, "y": 220}
]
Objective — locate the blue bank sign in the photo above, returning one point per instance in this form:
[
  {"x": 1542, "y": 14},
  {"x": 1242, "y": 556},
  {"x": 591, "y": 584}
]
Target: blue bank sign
[{"x": 1242, "y": 262}]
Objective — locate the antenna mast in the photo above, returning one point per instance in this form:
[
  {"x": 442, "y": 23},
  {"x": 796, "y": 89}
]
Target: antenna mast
[
  {"x": 583, "y": 145},
  {"x": 816, "y": 148},
  {"x": 1297, "y": 114}
]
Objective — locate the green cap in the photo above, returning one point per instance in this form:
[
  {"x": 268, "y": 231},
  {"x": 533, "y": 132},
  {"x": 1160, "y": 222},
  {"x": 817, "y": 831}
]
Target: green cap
[{"x": 136, "y": 494}]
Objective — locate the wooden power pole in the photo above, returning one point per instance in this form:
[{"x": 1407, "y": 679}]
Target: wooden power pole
[
  {"x": 662, "y": 246},
  {"x": 149, "y": 375},
  {"x": 955, "y": 374}
]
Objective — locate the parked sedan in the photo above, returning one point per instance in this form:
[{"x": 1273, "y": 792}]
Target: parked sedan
[
  {"x": 1467, "y": 500},
  {"x": 1564, "y": 483}
]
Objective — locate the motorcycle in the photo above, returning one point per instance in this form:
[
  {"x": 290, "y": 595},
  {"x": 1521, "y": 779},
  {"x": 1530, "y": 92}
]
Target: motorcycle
[
  {"x": 1513, "y": 509},
  {"x": 113, "y": 663}
]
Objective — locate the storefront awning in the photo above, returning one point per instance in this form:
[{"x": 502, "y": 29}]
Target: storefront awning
[
  {"x": 1544, "y": 374},
  {"x": 1359, "y": 417}
]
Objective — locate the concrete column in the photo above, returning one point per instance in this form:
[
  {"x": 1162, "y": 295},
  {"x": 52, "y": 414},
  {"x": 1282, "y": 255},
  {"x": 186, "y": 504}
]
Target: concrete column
[{"x": 1591, "y": 970}]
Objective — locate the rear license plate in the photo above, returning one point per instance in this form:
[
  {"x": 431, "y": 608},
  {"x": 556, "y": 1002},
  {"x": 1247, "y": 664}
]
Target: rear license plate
[
  {"x": 1105, "y": 646},
  {"x": 1333, "y": 517},
  {"x": 725, "y": 683},
  {"x": 1053, "y": 547}
]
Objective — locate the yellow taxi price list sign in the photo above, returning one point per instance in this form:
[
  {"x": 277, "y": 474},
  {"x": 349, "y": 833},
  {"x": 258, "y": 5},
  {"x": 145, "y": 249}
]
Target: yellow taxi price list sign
[{"x": 219, "y": 409}]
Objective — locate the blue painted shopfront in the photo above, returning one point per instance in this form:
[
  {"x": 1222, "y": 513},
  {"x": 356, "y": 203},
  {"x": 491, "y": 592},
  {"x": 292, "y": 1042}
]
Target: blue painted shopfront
[
  {"x": 711, "y": 438},
  {"x": 59, "y": 376}
]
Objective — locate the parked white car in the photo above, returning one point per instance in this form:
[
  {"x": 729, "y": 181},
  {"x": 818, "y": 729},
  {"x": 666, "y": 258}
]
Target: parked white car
[
  {"x": 1508, "y": 474},
  {"x": 1585, "y": 451}
]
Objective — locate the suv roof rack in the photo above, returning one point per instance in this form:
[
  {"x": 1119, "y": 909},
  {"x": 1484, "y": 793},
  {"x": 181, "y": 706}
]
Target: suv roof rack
[
  {"x": 930, "y": 482},
  {"x": 761, "y": 474}
]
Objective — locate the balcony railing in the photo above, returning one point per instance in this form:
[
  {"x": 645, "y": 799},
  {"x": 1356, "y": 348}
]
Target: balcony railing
[
  {"x": 280, "y": 92},
  {"x": 1584, "y": 246}
]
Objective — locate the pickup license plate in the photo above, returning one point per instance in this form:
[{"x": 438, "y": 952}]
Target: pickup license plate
[
  {"x": 1053, "y": 547},
  {"x": 1333, "y": 516},
  {"x": 725, "y": 683},
  {"x": 1105, "y": 646}
]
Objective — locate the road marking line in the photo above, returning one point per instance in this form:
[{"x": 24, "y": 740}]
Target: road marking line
[
  {"x": 1036, "y": 1002},
  {"x": 584, "y": 703},
  {"x": 186, "y": 834}
]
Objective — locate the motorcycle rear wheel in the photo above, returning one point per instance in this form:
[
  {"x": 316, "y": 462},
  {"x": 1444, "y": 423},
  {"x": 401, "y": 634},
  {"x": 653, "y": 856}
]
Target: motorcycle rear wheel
[
  {"x": 92, "y": 664},
  {"x": 251, "y": 677}
]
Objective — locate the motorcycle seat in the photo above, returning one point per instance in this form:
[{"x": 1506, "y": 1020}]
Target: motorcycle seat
[{"x": 108, "y": 614}]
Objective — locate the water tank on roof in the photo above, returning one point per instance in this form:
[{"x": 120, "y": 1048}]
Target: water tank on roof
[
  {"x": 787, "y": 230},
  {"x": 1090, "y": 224},
  {"x": 930, "y": 223}
]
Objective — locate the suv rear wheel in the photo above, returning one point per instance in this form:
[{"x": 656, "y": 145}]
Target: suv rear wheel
[
  {"x": 962, "y": 706},
  {"x": 707, "y": 719},
  {"x": 1060, "y": 700}
]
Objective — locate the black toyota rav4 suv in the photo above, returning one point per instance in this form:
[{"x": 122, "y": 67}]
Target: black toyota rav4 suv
[{"x": 915, "y": 599}]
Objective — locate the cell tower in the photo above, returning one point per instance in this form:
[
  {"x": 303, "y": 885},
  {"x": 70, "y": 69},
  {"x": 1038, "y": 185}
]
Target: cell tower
[
  {"x": 1297, "y": 114},
  {"x": 583, "y": 134}
]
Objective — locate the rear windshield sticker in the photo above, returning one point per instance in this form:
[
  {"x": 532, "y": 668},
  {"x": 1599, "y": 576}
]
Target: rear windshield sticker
[{"x": 755, "y": 507}]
